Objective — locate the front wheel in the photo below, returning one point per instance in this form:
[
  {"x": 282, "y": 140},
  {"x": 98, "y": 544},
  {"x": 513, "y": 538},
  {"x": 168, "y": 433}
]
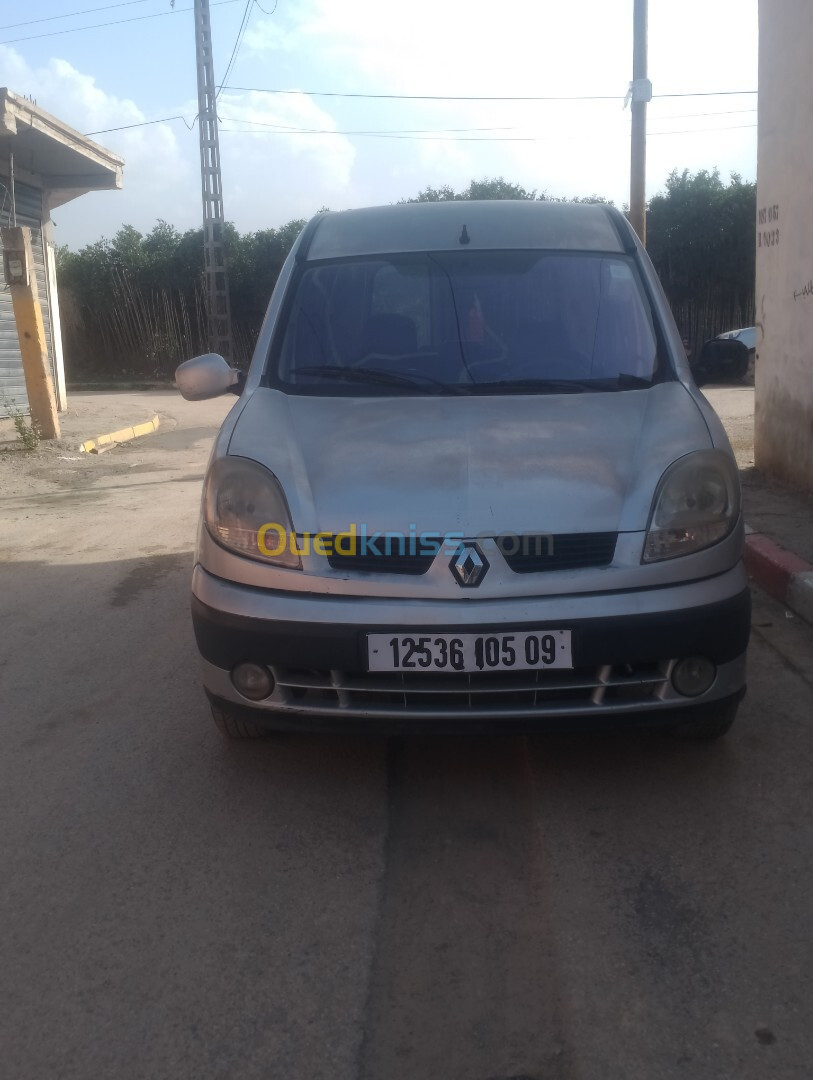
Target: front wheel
[
  {"x": 702, "y": 374},
  {"x": 708, "y": 722},
  {"x": 740, "y": 367}
]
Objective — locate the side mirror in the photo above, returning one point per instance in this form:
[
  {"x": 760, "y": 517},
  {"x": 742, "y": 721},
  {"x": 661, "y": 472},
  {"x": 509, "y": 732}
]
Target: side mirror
[{"x": 207, "y": 376}]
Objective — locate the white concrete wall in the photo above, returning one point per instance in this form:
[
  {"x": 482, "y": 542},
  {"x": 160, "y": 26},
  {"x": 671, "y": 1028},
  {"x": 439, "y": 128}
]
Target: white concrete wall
[{"x": 784, "y": 286}]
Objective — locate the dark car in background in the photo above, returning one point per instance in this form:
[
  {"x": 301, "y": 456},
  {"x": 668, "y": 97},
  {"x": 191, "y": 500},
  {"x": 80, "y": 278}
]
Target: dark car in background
[{"x": 725, "y": 358}]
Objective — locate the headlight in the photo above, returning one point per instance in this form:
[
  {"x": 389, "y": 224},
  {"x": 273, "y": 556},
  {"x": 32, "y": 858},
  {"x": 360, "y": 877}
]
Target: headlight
[
  {"x": 241, "y": 500},
  {"x": 697, "y": 504}
]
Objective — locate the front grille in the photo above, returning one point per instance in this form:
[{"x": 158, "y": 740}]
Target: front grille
[
  {"x": 393, "y": 563},
  {"x": 527, "y": 554},
  {"x": 469, "y": 696},
  {"x": 532, "y": 554}
]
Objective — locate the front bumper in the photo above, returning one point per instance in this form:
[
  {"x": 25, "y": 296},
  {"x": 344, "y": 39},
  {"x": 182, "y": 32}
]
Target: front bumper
[{"x": 624, "y": 647}]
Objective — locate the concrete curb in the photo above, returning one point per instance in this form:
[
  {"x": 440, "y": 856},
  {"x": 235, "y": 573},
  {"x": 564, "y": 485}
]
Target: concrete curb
[
  {"x": 105, "y": 442},
  {"x": 786, "y": 576},
  {"x": 126, "y": 385}
]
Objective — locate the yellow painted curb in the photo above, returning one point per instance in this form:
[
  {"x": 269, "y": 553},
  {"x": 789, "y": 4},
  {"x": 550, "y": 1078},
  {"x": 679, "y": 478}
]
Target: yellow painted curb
[{"x": 104, "y": 442}]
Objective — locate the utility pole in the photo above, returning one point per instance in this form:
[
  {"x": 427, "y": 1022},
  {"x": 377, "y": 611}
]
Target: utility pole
[
  {"x": 217, "y": 285},
  {"x": 641, "y": 91}
]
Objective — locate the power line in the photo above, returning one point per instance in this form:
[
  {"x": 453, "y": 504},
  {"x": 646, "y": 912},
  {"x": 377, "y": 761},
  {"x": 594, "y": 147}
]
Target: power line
[
  {"x": 237, "y": 43},
  {"x": 691, "y": 116},
  {"x": 477, "y": 97},
  {"x": 114, "y": 22},
  {"x": 70, "y": 14},
  {"x": 421, "y": 97},
  {"x": 396, "y": 131},
  {"x": 240, "y": 34},
  {"x": 383, "y": 135},
  {"x": 141, "y": 123},
  {"x": 709, "y": 93},
  {"x": 284, "y": 129},
  {"x": 700, "y": 131},
  {"x": 454, "y": 138}
]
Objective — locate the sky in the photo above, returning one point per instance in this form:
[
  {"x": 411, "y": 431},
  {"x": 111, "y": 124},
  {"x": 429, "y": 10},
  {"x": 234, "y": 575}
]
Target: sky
[{"x": 286, "y": 155}]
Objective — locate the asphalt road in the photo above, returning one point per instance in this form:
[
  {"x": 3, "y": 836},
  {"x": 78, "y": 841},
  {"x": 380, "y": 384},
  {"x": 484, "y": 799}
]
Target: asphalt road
[{"x": 173, "y": 906}]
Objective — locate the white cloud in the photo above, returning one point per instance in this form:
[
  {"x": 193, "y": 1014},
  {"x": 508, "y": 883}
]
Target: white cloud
[
  {"x": 270, "y": 174},
  {"x": 442, "y": 47},
  {"x": 519, "y": 47},
  {"x": 460, "y": 48},
  {"x": 155, "y": 168},
  {"x": 279, "y": 122}
]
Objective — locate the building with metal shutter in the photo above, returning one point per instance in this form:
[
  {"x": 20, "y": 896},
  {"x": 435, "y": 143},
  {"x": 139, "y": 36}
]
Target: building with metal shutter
[{"x": 43, "y": 164}]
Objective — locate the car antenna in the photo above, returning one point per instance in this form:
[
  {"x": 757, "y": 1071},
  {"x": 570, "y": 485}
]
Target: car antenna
[{"x": 464, "y": 236}]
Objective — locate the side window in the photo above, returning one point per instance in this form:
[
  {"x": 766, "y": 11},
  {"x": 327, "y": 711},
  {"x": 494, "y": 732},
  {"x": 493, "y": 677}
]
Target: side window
[{"x": 404, "y": 291}]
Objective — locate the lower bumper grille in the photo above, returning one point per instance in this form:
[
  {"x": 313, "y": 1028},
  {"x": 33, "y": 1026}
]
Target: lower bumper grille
[{"x": 515, "y": 694}]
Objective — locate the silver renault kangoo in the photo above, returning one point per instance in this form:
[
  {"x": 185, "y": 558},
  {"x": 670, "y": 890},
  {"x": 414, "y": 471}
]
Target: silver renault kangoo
[{"x": 469, "y": 484}]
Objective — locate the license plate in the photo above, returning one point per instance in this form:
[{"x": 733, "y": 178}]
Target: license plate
[{"x": 518, "y": 651}]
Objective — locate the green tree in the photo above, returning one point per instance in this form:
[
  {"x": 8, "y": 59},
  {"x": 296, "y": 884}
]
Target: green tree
[
  {"x": 701, "y": 237},
  {"x": 488, "y": 188},
  {"x": 136, "y": 304}
]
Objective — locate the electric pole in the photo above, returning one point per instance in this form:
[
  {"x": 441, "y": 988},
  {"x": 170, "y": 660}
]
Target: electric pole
[
  {"x": 217, "y": 285},
  {"x": 641, "y": 91}
]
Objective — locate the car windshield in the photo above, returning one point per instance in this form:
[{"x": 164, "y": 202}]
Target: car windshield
[{"x": 464, "y": 323}]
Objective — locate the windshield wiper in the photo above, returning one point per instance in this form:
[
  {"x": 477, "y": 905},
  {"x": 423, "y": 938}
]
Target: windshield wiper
[
  {"x": 562, "y": 386},
  {"x": 633, "y": 382},
  {"x": 532, "y": 386},
  {"x": 371, "y": 376}
]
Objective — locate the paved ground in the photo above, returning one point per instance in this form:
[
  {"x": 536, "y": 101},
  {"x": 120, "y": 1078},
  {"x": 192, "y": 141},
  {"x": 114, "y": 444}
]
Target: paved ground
[{"x": 174, "y": 906}]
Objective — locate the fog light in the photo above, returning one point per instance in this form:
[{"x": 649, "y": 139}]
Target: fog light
[
  {"x": 253, "y": 681},
  {"x": 693, "y": 675}
]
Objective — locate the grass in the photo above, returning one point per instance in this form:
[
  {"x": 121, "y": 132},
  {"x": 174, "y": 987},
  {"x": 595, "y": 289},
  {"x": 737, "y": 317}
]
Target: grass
[{"x": 28, "y": 430}]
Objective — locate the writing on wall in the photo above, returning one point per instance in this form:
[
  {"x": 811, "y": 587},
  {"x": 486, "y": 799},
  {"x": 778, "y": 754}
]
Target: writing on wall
[{"x": 768, "y": 230}]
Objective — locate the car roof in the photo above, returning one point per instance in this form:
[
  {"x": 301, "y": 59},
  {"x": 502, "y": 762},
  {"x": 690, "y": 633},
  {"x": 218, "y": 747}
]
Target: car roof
[
  {"x": 742, "y": 331},
  {"x": 499, "y": 224}
]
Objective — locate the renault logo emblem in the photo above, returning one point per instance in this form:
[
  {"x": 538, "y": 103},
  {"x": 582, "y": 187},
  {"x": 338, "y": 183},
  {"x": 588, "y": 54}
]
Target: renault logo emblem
[{"x": 469, "y": 566}]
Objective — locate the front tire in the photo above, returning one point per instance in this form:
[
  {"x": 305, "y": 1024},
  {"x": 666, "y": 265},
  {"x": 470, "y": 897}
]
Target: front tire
[
  {"x": 235, "y": 727},
  {"x": 741, "y": 366},
  {"x": 701, "y": 374}
]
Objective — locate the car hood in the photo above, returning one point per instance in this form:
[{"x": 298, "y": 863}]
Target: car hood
[{"x": 586, "y": 462}]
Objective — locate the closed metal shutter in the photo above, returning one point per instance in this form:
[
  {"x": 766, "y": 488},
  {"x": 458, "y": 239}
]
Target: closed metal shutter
[
  {"x": 28, "y": 202},
  {"x": 12, "y": 383}
]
